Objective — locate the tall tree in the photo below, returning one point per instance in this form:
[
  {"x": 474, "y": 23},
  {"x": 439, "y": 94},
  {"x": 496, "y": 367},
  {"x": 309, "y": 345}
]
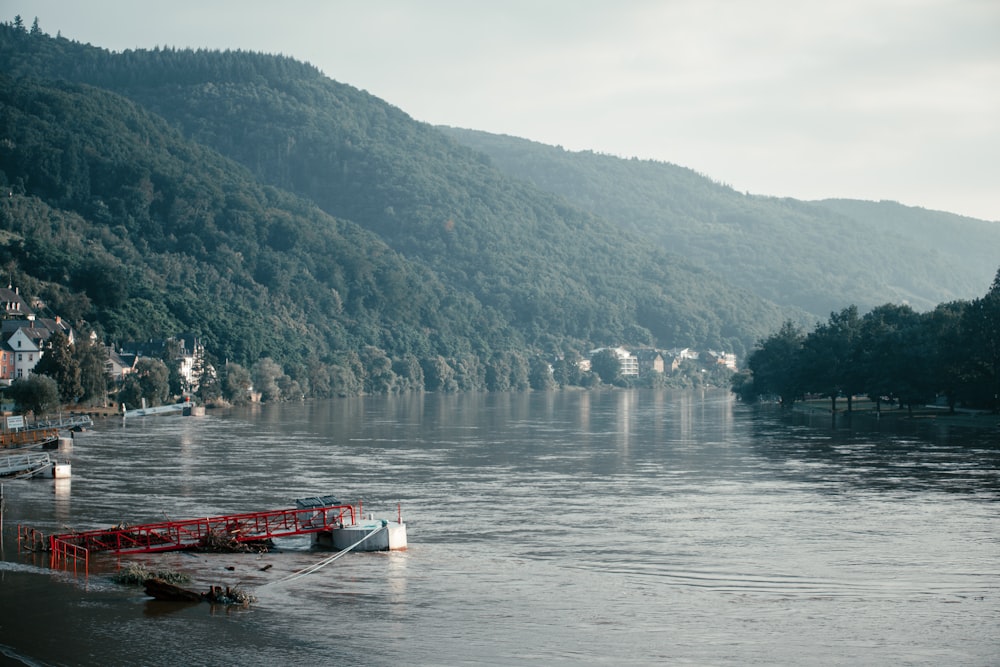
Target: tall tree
[
  {"x": 826, "y": 357},
  {"x": 61, "y": 364},
  {"x": 93, "y": 375},
  {"x": 379, "y": 375},
  {"x": 981, "y": 331},
  {"x": 948, "y": 364},
  {"x": 882, "y": 366},
  {"x": 607, "y": 366},
  {"x": 149, "y": 381},
  {"x": 237, "y": 384},
  {"x": 540, "y": 374},
  {"x": 776, "y": 365},
  {"x": 265, "y": 374},
  {"x": 38, "y": 394}
]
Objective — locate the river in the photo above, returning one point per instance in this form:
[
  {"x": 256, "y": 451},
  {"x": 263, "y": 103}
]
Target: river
[{"x": 603, "y": 527}]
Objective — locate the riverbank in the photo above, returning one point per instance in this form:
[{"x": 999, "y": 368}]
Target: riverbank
[{"x": 866, "y": 410}]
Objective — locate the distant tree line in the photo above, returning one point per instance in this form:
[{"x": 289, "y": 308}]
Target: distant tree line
[{"x": 891, "y": 353}]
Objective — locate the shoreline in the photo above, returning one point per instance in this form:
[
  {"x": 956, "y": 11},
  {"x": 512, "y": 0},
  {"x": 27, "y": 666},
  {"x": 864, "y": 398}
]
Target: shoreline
[{"x": 864, "y": 409}]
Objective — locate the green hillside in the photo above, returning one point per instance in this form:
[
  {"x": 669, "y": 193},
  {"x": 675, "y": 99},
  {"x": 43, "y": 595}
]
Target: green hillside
[
  {"x": 128, "y": 210},
  {"x": 118, "y": 221},
  {"x": 818, "y": 256}
]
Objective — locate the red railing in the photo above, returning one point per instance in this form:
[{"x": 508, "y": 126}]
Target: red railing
[
  {"x": 63, "y": 552},
  {"x": 30, "y": 539},
  {"x": 189, "y": 533}
]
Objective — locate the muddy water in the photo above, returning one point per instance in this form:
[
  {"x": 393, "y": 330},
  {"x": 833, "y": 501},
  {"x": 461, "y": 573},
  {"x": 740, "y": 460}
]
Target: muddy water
[{"x": 594, "y": 527}]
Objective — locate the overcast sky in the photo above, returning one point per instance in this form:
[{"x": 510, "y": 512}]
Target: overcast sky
[{"x": 866, "y": 99}]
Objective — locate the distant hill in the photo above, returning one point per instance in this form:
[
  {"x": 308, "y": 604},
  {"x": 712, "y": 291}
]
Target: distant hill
[
  {"x": 818, "y": 256},
  {"x": 275, "y": 212}
]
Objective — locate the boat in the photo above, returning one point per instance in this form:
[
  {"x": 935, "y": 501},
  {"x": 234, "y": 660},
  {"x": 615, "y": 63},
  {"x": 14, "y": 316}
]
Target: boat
[
  {"x": 29, "y": 464},
  {"x": 17, "y": 434},
  {"x": 369, "y": 534}
]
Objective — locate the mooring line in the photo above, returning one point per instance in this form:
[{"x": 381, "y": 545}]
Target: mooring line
[{"x": 323, "y": 563}]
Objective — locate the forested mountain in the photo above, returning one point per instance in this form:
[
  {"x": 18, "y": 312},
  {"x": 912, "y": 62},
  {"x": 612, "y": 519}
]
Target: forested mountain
[
  {"x": 275, "y": 212},
  {"x": 117, "y": 220},
  {"x": 818, "y": 256}
]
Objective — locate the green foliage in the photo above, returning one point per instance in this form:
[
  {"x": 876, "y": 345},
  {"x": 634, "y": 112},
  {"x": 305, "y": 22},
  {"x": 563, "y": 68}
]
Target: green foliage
[
  {"x": 980, "y": 339},
  {"x": 61, "y": 364},
  {"x": 236, "y": 384},
  {"x": 777, "y": 365},
  {"x": 540, "y": 374},
  {"x": 607, "y": 366},
  {"x": 149, "y": 382},
  {"x": 93, "y": 377},
  {"x": 38, "y": 394},
  {"x": 826, "y": 355},
  {"x": 892, "y": 352},
  {"x": 265, "y": 375}
]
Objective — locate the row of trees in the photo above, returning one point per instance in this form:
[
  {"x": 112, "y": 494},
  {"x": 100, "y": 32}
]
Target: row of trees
[
  {"x": 75, "y": 373},
  {"x": 890, "y": 353}
]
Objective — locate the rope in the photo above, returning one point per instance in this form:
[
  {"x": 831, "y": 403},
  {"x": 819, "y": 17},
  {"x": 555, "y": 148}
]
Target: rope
[{"x": 323, "y": 563}]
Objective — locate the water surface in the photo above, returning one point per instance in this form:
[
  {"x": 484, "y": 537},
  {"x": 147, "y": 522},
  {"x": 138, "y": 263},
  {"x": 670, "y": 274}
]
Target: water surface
[{"x": 614, "y": 527}]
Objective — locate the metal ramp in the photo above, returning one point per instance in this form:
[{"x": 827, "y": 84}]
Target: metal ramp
[
  {"x": 194, "y": 533},
  {"x": 63, "y": 423}
]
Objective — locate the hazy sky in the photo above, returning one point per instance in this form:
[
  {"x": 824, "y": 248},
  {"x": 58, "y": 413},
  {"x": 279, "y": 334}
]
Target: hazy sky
[{"x": 867, "y": 99}]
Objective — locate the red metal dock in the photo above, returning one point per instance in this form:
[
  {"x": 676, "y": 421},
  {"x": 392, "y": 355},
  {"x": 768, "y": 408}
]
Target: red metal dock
[{"x": 194, "y": 533}]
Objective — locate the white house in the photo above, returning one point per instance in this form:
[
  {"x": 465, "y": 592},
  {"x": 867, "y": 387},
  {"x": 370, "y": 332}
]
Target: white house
[{"x": 25, "y": 343}]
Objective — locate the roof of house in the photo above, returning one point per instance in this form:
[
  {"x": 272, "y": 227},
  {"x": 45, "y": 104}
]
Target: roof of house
[
  {"x": 38, "y": 330},
  {"x": 12, "y": 304}
]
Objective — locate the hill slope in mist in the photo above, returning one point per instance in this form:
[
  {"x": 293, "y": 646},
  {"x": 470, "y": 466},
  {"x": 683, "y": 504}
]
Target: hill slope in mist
[{"x": 818, "y": 256}]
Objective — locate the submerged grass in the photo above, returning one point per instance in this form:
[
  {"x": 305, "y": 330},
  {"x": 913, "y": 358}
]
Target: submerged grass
[
  {"x": 866, "y": 409},
  {"x": 135, "y": 574}
]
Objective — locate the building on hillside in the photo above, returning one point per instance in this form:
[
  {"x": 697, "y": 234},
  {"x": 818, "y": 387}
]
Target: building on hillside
[
  {"x": 12, "y": 305},
  {"x": 117, "y": 365},
  {"x": 649, "y": 360},
  {"x": 674, "y": 357},
  {"x": 185, "y": 350},
  {"x": 684, "y": 353},
  {"x": 727, "y": 359},
  {"x": 7, "y": 367},
  {"x": 23, "y": 343}
]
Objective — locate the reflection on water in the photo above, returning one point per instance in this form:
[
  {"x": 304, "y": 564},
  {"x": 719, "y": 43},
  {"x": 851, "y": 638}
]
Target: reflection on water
[
  {"x": 912, "y": 456},
  {"x": 609, "y": 526}
]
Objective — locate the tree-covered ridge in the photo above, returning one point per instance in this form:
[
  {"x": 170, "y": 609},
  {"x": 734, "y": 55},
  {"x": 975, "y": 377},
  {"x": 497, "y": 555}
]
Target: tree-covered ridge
[
  {"x": 431, "y": 199},
  {"x": 121, "y": 222},
  {"x": 527, "y": 270},
  {"x": 816, "y": 256},
  {"x": 890, "y": 353}
]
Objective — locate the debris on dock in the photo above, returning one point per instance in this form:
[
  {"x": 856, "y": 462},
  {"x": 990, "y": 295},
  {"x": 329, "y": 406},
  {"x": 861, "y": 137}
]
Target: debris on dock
[
  {"x": 161, "y": 590},
  {"x": 217, "y": 541}
]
